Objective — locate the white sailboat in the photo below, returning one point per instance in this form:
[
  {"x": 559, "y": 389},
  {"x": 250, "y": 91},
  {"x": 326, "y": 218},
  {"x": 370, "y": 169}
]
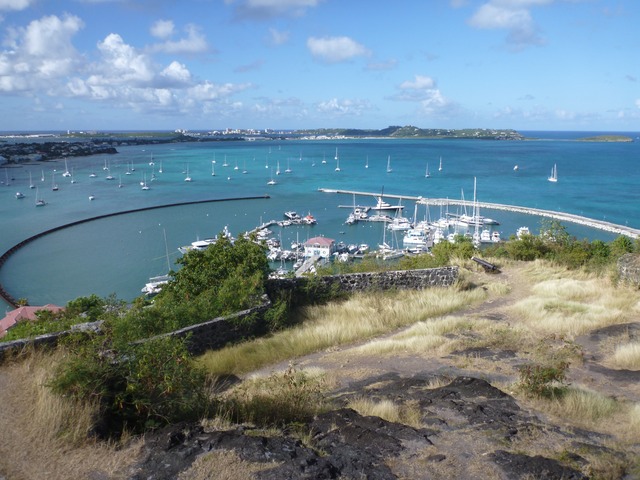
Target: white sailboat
[
  {"x": 54, "y": 185},
  {"x": 225, "y": 164},
  {"x": 66, "y": 173},
  {"x": 31, "y": 185},
  {"x": 236, "y": 167},
  {"x": 337, "y": 162},
  {"x": 188, "y": 177},
  {"x": 160, "y": 169},
  {"x": 288, "y": 170},
  {"x": 554, "y": 174},
  {"x": 336, "y": 157},
  {"x": 389, "y": 164},
  {"x": 144, "y": 183},
  {"x": 272, "y": 181},
  {"x": 278, "y": 167},
  {"x": 73, "y": 180},
  {"x": 155, "y": 284},
  {"x": 366, "y": 164},
  {"x": 39, "y": 201},
  {"x": 440, "y": 167},
  {"x": 213, "y": 169},
  {"x": 427, "y": 174}
]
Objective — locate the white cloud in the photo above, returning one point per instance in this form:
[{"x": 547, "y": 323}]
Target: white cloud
[
  {"x": 335, "y": 49},
  {"x": 162, "y": 29},
  {"x": 15, "y": 4},
  {"x": 513, "y": 16},
  {"x": 638, "y": 103},
  {"x": 121, "y": 63},
  {"x": 39, "y": 53},
  {"x": 265, "y": 9},
  {"x": 177, "y": 73},
  {"x": 277, "y": 37},
  {"x": 343, "y": 107},
  {"x": 194, "y": 42},
  {"x": 424, "y": 91}
]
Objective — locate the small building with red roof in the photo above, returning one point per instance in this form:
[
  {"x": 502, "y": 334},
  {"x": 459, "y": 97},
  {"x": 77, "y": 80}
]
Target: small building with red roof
[
  {"x": 322, "y": 247},
  {"x": 24, "y": 313}
]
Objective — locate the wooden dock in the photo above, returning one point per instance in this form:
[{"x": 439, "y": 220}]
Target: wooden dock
[{"x": 561, "y": 216}]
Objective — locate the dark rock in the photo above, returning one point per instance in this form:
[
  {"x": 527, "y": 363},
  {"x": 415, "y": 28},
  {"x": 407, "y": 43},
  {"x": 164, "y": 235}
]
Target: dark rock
[{"x": 517, "y": 465}]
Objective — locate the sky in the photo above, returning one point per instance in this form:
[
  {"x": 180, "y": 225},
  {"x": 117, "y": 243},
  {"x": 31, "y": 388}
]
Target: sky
[{"x": 294, "y": 64}]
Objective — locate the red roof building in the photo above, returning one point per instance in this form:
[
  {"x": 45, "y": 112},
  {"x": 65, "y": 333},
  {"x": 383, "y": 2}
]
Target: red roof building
[
  {"x": 319, "y": 246},
  {"x": 24, "y": 313}
]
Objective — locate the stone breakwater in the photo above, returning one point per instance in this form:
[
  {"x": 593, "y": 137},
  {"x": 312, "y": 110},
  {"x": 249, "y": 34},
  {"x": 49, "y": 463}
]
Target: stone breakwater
[
  {"x": 563, "y": 217},
  {"x": 218, "y": 332}
]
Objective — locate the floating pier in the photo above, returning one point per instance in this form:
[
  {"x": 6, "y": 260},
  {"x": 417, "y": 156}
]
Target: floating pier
[{"x": 561, "y": 216}]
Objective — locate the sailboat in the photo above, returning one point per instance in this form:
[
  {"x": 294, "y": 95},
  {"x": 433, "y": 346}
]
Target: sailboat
[
  {"x": 73, "y": 180},
  {"x": 120, "y": 185},
  {"x": 389, "y": 164},
  {"x": 155, "y": 284},
  {"x": 366, "y": 164},
  {"x": 144, "y": 183},
  {"x": 151, "y": 162},
  {"x": 244, "y": 167},
  {"x": 160, "y": 169},
  {"x": 236, "y": 167},
  {"x": 288, "y": 170},
  {"x": 554, "y": 174},
  {"x": 440, "y": 167},
  {"x": 225, "y": 164},
  {"x": 272, "y": 181},
  {"x": 42, "y": 177},
  {"x": 31, "y": 185},
  {"x": 213, "y": 170},
  {"x": 105, "y": 168},
  {"x": 278, "y": 168},
  {"x": 337, "y": 162},
  {"x": 39, "y": 201},
  {"x": 336, "y": 157},
  {"x": 324, "y": 159},
  {"x": 427, "y": 174},
  {"x": 54, "y": 185},
  {"x": 188, "y": 177},
  {"x": 66, "y": 173}
]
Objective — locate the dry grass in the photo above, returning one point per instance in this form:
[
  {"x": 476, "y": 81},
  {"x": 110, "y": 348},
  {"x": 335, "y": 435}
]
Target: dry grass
[
  {"x": 626, "y": 356},
  {"x": 45, "y": 435},
  {"x": 407, "y": 414},
  {"x": 361, "y": 317},
  {"x": 223, "y": 465},
  {"x": 574, "y": 305}
]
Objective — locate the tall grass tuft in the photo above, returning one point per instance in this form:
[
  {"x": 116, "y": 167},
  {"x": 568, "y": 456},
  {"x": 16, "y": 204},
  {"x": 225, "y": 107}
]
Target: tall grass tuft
[
  {"x": 407, "y": 414},
  {"x": 584, "y": 406},
  {"x": 276, "y": 401},
  {"x": 626, "y": 356},
  {"x": 574, "y": 305},
  {"x": 360, "y": 317}
]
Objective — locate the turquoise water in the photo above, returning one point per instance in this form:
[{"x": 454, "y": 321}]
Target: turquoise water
[{"x": 118, "y": 254}]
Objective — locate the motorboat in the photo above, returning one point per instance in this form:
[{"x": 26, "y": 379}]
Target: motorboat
[{"x": 155, "y": 284}]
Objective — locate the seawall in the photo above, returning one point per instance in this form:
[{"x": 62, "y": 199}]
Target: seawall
[{"x": 7, "y": 297}]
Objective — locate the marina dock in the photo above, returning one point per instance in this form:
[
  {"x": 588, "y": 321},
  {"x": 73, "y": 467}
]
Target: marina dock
[{"x": 561, "y": 216}]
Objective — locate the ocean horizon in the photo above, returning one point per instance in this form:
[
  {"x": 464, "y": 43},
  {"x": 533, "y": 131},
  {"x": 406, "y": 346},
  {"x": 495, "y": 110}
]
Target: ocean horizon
[{"x": 118, "y": 254}]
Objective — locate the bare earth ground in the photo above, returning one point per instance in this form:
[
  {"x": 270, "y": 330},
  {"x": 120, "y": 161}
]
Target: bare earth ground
[{"x": 457, "y": 451}]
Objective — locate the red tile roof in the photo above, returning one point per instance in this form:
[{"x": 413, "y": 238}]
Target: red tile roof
[
  {"x": 322, "y": 241},
  {"x": 24, "y": 313}
]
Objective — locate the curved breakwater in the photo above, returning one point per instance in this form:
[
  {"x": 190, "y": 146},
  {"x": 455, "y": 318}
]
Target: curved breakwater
[{"x": 7, "y": 297}]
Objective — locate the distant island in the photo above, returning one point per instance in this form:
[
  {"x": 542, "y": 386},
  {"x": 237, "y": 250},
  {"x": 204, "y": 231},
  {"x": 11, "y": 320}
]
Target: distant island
[
  {"x": 414, "y": 132},
  {"x": 15, "y": 150},
  {"x": 606, "y": 138}
]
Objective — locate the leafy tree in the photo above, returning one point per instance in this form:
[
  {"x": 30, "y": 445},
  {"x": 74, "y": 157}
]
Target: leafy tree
[{"x": 621, "y": 245}]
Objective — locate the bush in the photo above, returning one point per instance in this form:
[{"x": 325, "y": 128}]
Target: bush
[
  {"x": 138, "y": 387},
  {"x": 543, "y": 380}
]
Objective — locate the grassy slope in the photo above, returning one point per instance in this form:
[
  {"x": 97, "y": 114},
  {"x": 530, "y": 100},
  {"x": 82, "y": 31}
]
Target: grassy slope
[{"x": 538, "y": 311}]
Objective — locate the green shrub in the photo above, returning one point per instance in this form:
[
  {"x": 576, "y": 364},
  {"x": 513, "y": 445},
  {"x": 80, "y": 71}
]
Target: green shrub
[
  {"x": 138, "y": 387},
  {"x": 543, "y": 380}
]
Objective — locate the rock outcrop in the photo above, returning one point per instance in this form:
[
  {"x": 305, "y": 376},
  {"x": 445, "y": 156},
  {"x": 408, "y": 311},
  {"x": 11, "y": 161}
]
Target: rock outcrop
[{"x": 474, "y": 430}]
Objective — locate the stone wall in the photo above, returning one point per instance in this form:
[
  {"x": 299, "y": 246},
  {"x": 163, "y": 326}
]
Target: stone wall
[
  {"x": 352, "y": 282},
  {"x": 629, "y": 268},
  {"x": 221, "y": 331}
]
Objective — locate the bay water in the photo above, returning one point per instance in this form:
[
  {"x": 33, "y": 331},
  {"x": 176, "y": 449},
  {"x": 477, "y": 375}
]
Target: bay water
[{"x": 118, "y": 254}]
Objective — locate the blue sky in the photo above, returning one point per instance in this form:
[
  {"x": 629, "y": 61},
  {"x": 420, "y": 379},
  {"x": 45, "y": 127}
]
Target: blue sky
[{"x": 215, "y": 64}]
